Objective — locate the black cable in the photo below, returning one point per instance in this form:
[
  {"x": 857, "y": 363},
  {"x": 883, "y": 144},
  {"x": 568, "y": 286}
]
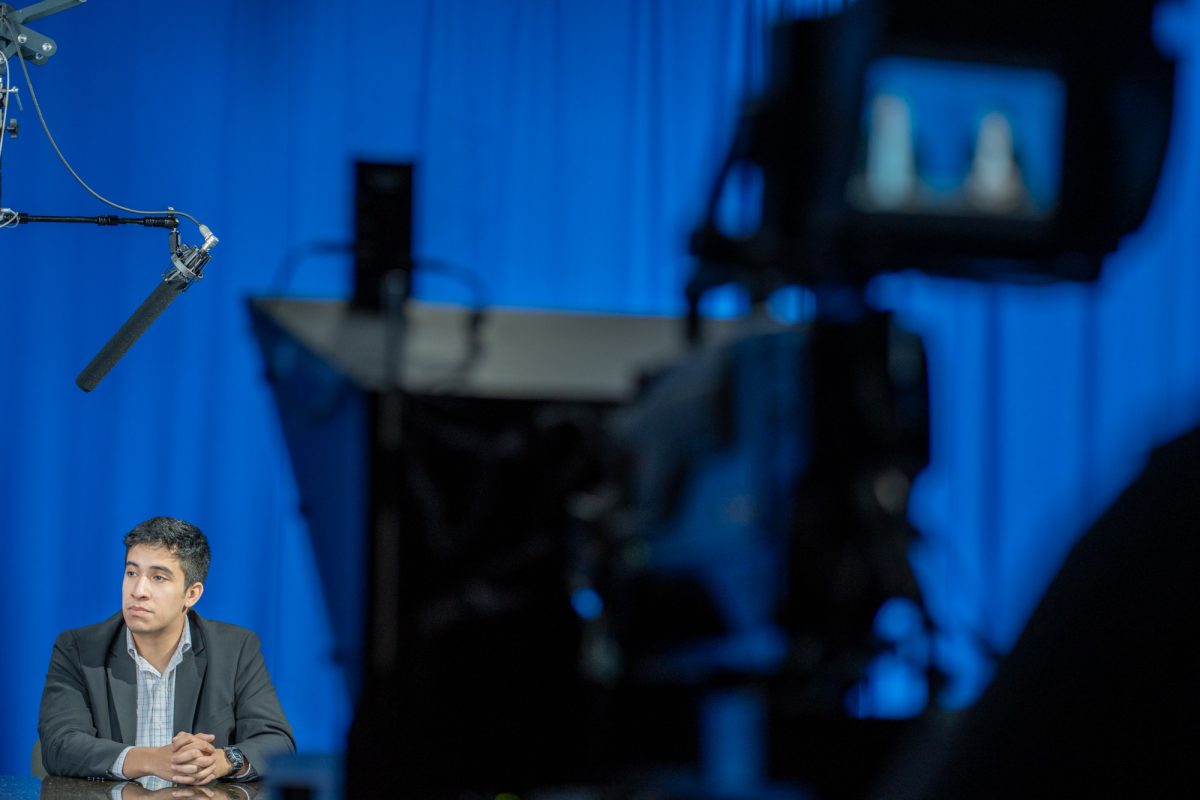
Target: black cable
[
  {"x": 37, "y": 107},
  {"x": 288, "y": 266},
  {"x": 292, "y": 259},
  {"x": 473, "y": 323}
]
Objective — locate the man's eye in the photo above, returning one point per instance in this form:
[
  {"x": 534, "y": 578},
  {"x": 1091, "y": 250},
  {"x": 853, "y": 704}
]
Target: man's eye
[
  {"x": 160, "y": 578},
  {"x": 128, "y": 573}
]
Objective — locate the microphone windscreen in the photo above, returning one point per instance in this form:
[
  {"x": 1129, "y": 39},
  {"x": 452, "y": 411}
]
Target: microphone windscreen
[{"x": 137, "y": 324}]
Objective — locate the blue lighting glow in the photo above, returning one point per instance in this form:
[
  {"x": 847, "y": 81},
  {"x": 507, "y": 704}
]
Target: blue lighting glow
[{"x": 587, "y": 603}]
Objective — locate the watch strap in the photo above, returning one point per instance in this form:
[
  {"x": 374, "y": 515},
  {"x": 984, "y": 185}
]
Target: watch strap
[{"x": 236, "y": 760}]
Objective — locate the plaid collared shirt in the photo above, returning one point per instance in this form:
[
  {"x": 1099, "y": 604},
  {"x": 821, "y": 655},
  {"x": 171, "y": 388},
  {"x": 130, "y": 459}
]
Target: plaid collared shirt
[{"x": 155, "y": 701}]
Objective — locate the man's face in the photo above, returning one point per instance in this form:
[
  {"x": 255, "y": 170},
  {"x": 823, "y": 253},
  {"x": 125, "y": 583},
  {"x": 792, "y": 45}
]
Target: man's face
[{"x": 155, "y": 594}]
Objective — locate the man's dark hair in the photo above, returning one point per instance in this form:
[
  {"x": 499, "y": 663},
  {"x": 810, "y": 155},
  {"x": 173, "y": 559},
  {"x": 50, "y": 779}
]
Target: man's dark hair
[{"x": 185, "y": 541}]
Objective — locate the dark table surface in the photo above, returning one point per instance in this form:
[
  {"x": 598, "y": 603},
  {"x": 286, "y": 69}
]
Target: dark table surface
[{"x": 19, "y": 787}]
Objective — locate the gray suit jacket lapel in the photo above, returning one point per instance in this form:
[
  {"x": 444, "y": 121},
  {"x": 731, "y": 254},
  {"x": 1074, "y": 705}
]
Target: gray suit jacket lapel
[
  {"x": 189, "y": 676},
  {"x": 122, "y": 683}
]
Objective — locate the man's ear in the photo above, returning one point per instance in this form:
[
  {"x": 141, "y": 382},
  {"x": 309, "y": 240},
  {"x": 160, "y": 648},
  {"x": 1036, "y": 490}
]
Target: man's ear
[{"x": 192, "y": 595}]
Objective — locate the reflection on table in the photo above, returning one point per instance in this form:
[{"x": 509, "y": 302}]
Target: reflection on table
[{"x": 18, "y": 787}]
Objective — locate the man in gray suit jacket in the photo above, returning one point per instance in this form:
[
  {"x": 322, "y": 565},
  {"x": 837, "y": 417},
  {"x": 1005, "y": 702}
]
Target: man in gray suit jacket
[{"x": 157, "y": 690}]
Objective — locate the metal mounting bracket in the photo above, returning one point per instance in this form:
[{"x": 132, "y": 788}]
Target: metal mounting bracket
[{"x": 35, "y": 47}]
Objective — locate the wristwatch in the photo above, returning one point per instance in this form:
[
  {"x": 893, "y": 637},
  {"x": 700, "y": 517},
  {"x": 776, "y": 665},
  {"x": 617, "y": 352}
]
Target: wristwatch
[{"x": 236, "y": 761}]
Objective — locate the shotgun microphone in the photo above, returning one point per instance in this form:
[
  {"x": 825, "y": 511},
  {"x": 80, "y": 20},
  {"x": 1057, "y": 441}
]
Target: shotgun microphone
[{"x": 187, "y": 263}]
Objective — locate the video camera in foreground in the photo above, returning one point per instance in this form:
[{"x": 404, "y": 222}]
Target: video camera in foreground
[{"x": 754, "y": 570}]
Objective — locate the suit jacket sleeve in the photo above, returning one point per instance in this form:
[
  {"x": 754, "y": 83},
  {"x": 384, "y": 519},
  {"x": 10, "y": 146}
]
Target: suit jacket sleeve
[
  {"x": 71, "y": 745},
  {"x": 261, "y": 729}
]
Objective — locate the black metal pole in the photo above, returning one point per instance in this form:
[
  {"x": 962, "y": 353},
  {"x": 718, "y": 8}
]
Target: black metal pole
[{"x": 169, "y": 221}]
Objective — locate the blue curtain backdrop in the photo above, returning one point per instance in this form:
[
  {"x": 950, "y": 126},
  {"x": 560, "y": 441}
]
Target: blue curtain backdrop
[{"x": 564, "y": 151}]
